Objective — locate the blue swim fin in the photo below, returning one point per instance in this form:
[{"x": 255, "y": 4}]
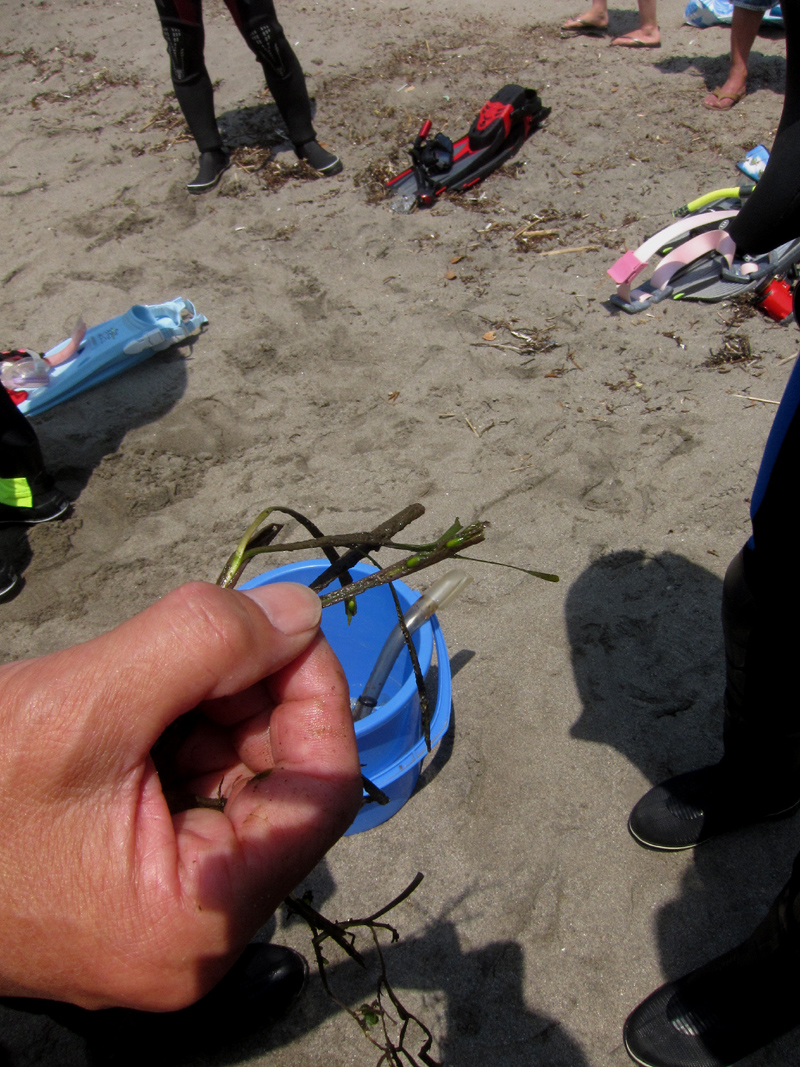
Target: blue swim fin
[{"x": 111, "y": 348}]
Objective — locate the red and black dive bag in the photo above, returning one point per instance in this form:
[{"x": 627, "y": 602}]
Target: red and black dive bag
[{"x": 502, "y": 126}]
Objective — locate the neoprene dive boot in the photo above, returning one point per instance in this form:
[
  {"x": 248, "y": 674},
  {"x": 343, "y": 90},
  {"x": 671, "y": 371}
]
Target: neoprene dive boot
[
  {"x": 30, "y": 500},
  {"x": 730, "y": 1007},
  {"x": 759, "y": 775},
  {"x": 9, "y": 579},
  {"x": 258, "y": 990},
  {"x": 212, "y": 166},
  {"x": 325, "y": 163}
]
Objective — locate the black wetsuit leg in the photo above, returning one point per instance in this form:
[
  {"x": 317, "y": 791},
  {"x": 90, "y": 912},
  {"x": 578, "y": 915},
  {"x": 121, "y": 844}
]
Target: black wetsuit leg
[
  {"x": 182, "y": 26},
  {"x": 264, "y": 35},
  {"x": 20, "y": 455},
  {"x": 771, "y": 216},
  {"x": 762, "y": 730}
]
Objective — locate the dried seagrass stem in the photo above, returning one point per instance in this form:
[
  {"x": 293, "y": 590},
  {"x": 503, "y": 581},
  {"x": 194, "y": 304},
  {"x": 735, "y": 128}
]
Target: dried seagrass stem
[
  {"x": 424, "y": 705},
  {"x": 373, "y": 792},
  {"x": 380, "y": 535},
  {"x": 253, "y": 543},
  {"x": 238, "y": 559},
  {"x": 466, "y": 538},
  {"x": 322, "y": 926},
  {"x": 409, "y": 889},
  {"x": 393, "y": 1050}
]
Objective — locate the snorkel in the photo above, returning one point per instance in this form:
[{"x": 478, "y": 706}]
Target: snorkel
[{"x": 445, "y": 589}]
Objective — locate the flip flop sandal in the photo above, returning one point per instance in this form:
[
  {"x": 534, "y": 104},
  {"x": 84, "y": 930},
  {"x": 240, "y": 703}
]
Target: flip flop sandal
[
  {"x": 733, "y": 97},
  {"x": 634, "y": 42},
  {"x": 580, "y": 27}
]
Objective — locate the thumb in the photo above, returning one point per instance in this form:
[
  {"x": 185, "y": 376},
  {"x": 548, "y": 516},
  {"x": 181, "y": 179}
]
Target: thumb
[{"x": 198, "y": 643}]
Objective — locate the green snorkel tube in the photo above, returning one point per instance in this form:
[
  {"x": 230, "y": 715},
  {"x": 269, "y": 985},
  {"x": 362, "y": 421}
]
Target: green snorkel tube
[
  {"x": 438, "y": 596},
  {"x": 734, "y": 192}
]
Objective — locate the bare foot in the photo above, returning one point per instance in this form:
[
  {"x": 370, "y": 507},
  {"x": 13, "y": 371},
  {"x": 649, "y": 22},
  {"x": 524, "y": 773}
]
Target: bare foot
[
  {"x": 727, "y": 96},
  {"x": 641, "y": 38},
  {"x": 591, "y": 20}
]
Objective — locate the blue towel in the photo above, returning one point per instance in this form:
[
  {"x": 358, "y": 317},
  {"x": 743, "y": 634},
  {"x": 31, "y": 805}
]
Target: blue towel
[{"x": 712, "y": 12}]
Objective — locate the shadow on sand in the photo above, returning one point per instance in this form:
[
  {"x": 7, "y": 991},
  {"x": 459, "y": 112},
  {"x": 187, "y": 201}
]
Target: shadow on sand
[
  {"x": 140, "y": 396},
  {"x": 647, "y": 654}
]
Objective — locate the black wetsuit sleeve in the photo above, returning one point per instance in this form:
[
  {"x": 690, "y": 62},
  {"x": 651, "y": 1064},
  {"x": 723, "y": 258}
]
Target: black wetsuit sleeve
[{"x": 771, "y": 216}]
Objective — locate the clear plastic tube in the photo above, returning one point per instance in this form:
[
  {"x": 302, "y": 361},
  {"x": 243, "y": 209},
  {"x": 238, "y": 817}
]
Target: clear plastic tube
[{"x": 434, "y": 599}]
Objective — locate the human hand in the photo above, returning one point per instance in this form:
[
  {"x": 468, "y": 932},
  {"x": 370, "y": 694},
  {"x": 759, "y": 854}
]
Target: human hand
[{"x": 105, "y": 897}]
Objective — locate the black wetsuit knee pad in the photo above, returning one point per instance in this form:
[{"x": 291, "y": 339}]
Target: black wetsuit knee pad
[
  {"x": 185, "y": 45},
  {"x": 268, "y": 43}
]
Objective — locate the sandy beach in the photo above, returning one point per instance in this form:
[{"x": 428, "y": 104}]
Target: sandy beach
[{"x": 357, "y": 360}]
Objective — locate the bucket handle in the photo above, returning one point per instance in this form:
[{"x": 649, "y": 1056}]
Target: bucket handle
[{"x": 441, "y": 714}]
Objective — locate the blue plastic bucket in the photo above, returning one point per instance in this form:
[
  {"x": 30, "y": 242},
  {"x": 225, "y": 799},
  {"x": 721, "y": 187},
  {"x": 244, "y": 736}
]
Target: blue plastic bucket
[{"x": 390, "y": 742}]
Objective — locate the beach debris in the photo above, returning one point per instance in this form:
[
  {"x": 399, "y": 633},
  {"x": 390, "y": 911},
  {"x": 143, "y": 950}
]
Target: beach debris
[
  {"x": 271, "y": 173},
  {"x": 565, "y": 251},
  {"x": 478, "y": 433},
  {"x": 531, "y": 340},
  {"x": 734, "y": 350},
  {"x": 392, "y": 1028},
  {"x": 536, "y": 227},
  {"x": 673, "y": 336},
  {"x": 755, "y": 399},
  {"x": 251, "y": 159},
  {"x": 527, "y": 234},
  {"x": 374, "y": 178},
  {"x": 169, "y": 117},
  {"x": 739, "y": 309},
  {"x": 101, "y": 79},
  {"x": 524, "y": 464},
  {"x": 630, "y": 381}
]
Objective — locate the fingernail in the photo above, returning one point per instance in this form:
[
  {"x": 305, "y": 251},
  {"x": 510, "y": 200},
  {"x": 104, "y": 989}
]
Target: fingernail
[{"x": 291, "y": 608}]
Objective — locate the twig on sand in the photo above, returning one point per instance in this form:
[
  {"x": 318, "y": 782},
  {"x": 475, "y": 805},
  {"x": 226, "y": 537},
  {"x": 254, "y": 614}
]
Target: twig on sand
[
  {"x": 759, "y": 399},
  {"x": 575, "y": 248},
  {"x": 533, "y": 235}
]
